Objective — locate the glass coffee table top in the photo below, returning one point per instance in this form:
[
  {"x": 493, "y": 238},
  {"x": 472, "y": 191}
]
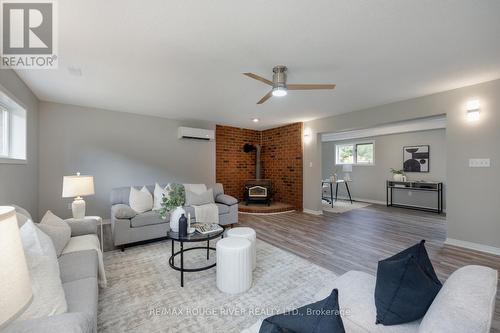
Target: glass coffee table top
[{"x": 195, "y": 236}]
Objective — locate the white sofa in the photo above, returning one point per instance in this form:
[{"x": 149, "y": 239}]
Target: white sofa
[{"x": 465, "y": 304}]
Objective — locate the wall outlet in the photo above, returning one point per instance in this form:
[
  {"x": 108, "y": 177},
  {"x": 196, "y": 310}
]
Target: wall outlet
[{"x": 479, "y": 163}]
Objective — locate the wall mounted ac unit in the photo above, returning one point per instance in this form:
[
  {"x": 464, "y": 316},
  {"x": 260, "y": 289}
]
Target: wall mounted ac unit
[{"x": 196, "y": 133}]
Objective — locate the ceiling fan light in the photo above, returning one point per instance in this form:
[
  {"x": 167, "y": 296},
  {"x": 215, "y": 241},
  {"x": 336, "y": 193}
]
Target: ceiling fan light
[{"x": 279, "y": 92}]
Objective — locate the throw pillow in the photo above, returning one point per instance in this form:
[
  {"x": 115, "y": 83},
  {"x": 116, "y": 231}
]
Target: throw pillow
[
  {"x": 48, "y": 293},
  {"x": 124, "y": 212},
  {"x": 319, "y": 317},
  {"x": 406, "y": 286},
  {"x": 57, "y": 229},
  {"x": 198, "y": 199},
  {"x": 140, "y": 200},
  {"x": 158, "y": 195}
]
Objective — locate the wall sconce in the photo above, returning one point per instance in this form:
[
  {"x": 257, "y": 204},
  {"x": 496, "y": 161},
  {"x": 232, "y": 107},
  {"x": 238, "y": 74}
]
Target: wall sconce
[
  {"x": 307, "y": 135},
  {"x": 473, "y": 110}
]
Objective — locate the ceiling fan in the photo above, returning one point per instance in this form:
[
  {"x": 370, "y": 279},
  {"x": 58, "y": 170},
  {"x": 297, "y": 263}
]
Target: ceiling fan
[{"x": 280, "y": 88}]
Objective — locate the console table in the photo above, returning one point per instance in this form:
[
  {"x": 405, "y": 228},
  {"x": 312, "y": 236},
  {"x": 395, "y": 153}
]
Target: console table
[{"x": 429, "y": 187}]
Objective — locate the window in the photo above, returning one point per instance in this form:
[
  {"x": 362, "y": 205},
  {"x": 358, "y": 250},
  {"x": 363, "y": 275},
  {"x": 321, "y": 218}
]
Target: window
[
  {"x": 362, "y": 153},
  {"x": 12, "y": 131},
  {"x": 4, "y": 132}
]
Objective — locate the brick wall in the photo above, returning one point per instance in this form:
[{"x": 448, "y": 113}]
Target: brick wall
[
  {"x": 281, "y": 160},
  {"x": 233, "y": 166}
]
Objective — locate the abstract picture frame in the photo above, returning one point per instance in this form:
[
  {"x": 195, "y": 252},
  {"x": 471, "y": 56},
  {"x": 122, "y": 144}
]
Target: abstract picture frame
[{"x": 416, "y": 158}]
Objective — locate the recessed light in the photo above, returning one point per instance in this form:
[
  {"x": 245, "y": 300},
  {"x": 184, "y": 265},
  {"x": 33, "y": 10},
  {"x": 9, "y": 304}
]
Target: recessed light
[{"x": 255, "y": 120}]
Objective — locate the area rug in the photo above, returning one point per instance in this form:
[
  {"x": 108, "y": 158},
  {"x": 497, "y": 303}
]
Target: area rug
[
  {"x": 342, "y": 206},
  {"x": 144, "y": 293}
]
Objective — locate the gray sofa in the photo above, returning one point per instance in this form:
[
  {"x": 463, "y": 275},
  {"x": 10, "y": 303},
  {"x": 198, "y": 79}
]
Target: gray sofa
[
  {"x": 79, "y": 280},
  {"x": 465, "y": 304},
  {"x": 130, "y": 227}
]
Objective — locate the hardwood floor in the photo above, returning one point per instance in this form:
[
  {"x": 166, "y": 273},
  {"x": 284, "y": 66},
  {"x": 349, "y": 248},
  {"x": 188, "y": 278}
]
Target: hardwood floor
[{"x": 358, "y": 239}]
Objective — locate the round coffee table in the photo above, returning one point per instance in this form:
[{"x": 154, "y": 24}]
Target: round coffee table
[{"x": 191, "y": 238}]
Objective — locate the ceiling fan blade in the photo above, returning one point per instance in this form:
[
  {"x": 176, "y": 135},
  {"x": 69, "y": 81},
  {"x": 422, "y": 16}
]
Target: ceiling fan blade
[
  {"x": 259, "y": 78},
  {"x": 310, "y": 86},
  {"x": 266, "y": 97}
]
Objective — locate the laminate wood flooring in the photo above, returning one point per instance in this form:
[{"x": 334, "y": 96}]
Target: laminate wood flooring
[{"x": 358, "y": 239}]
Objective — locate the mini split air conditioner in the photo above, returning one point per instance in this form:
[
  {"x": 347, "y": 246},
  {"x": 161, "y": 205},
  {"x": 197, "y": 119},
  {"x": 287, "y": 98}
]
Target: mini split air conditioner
[{"x": 195, "y": 133}]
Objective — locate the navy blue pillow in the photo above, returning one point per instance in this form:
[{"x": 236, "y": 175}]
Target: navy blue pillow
[
  {"x": 319, "y": 317},
  {"x": 406, "y": 286}
]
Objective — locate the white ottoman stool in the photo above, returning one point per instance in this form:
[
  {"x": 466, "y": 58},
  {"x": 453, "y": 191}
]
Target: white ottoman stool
[
  {"x": 248, "y": 233},
  {"x": 234, "y": 265}
]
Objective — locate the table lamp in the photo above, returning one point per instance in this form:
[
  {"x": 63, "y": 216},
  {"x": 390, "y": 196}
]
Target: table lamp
[
  {"x": 347, "y": 169},
  {"x": 15, "y": 289},
  {"x": 78, "y": 186}
]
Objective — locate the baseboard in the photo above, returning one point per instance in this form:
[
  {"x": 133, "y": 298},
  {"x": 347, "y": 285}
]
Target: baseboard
[
  {"x": 274, "y": 213},
  {"x": 312, "y": 212},
  {"x": 364, "y": 200},
  {"x": 473, "y": 246},
  {"x": 377, "y": 202}
]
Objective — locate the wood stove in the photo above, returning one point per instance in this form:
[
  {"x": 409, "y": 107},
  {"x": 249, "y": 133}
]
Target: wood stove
[{"x": 257, "y": 190}]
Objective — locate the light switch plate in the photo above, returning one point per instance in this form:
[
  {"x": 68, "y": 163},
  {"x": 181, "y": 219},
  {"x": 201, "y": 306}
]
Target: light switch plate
[{"x": 479, "y": 162}]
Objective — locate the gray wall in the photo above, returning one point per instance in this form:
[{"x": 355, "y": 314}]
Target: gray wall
[
  {"x": 369, "y": 181},
  {"x": 473, "y": 200},
  {"x": 118, "y": 149},
  {"x": 19, "y": 182}
]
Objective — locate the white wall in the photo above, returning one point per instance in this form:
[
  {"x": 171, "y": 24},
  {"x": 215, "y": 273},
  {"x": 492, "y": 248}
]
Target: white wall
[
  {"x": 369, "y": 181},
  {"x": 473, "y": 195},
  {"x": 19, "y": 182},
  {"x": 118, "y": 149}
]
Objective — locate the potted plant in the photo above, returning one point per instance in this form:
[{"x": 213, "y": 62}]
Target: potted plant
[
  {"x": 172, "y": 203},
  {"x": 398, "y": 175}
]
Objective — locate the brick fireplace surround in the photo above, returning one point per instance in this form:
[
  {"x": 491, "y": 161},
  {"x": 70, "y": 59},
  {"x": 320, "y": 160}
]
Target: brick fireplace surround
[{"x": 282, "y": 151}]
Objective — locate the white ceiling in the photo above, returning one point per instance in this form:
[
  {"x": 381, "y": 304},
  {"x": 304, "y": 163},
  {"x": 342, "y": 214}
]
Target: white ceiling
[{"x": 183, "y": 59}]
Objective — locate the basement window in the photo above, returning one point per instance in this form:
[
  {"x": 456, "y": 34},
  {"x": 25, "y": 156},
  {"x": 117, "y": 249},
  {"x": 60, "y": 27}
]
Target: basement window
[
  {"x": 12, "y": 131},
  {"x": 362, "y": 153}
]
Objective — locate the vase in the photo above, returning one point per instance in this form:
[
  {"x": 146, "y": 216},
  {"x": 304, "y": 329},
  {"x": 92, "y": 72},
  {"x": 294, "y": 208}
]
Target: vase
[
  {"x": 183, "y": 226},
  {"x": 175, "y": 215},
  {"x": 398, "y": 177}
]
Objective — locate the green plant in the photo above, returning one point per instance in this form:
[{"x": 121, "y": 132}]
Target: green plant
[
  {"x": 175, "y": 198},
  {"x": 397, "y": 172}
]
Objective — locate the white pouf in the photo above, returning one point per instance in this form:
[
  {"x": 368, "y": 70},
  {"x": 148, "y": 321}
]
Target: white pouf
[
  {"x": 248, "y": 233},
  {"x": 234, "y": 265}
]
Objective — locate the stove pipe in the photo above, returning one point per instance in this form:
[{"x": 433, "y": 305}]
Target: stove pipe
[{"x": 248, "y": 148}]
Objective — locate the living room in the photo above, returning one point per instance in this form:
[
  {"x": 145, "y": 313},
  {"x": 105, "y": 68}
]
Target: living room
[{"x": 189, "y": 171}]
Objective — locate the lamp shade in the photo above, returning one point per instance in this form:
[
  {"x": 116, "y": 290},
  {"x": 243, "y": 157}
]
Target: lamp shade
[
  {"x": 15, "y": 286},
  {"x": 77, "y": 186},
  {"x": 347, "y": 168}
]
